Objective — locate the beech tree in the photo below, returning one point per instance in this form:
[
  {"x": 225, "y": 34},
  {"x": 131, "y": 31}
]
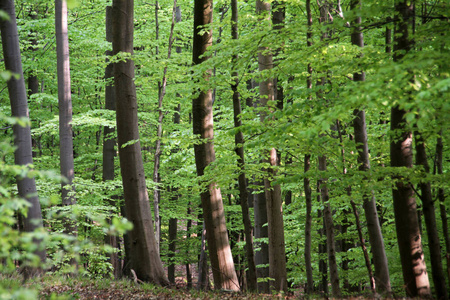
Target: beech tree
[
  {"x": 382, "y": 281},
  {"x": 415, "y": 274},
  {"x": 65, "y": 105},
  {"x": 202, "y": 119},
  {"x": 144, "y": 255},
  {"x": 274, "y": 210},
  {"x": 26, "y": 185}
]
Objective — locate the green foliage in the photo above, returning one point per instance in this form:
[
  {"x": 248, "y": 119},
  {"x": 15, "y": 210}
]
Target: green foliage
[{"x": 307, "y": 124}]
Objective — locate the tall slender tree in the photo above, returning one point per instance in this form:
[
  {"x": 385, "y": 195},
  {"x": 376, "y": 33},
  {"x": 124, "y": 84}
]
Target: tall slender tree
[
  {"x": 277, "y": 252},
  {"x": 429, "y": 213},
  {"x": 307, "y": 166},
  {"x": 202, "y": 117},
  {"x": 325, "y": 18},
  {"x": 109, "y": 142},
  {"x": 65, "y": 105},
  {"x": 144, "y": 255},
  {"x": 382, "y": 280},
  {"x": 26, "y": 186},
  {"x": 239, "y": 149},
  {"x": 415, "y": 276}
]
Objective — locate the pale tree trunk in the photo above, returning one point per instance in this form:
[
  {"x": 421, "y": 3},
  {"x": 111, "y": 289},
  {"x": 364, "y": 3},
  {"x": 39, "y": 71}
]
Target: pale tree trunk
[
  {"x": 109, "y": 143},
  {"x": 277, "y": 254},
  {"x": 26, "y": 186},
  {"x": 429, "y": 214},
  {"x": 65, "y": 105},
  {"x": 409, "y": 239},
  {"x": 239, "y": 149},
  {"x": 202, "y": 114},
  {"x": 144, "y": 255},
  {"x": 382, "y": 280}
]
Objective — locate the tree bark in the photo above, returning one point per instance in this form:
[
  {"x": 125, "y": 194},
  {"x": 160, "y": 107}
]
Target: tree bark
[
  {"x": 308, "y": 227},
  {"x": 239, "y": 149},
  {"x": 219, "y": 249},
  {"x": 429, "y": 214},
  {"x": 173, "y": 222},
  {"x": 277, "y": 254},
  {"x": 441, "y": 198},
  {"x": 329, "y": 229},
  {"x": 144, "y": 255},
  {"x": 65, "y": 105},
  {"x": 109, "y": 143},
  {"x": 382, "y": 280},
  {"x": 26, "y": 186},
  {"x": 409, "y": 239}
]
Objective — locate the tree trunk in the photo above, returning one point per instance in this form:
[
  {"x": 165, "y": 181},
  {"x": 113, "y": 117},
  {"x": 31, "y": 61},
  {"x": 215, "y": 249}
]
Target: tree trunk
[
  {"x": 363, "y": 246},
  {"x": 26, "y": 186},
  {"x": 239, "y": 149},
  {"x": 441, "y": 198},
  {"x": 214, "y": 216},
  {"x": 109, "y": 144},
  {"x": 382, "y": 280},
  {"x": 161, "y": 94},
  {"x": 144, "y": 258},
  {"x": 415, "y": 275},
  {"x": 329, "y": 229},
  {"x": 65, "y": 105},
  {"x": 173, "y": 222},
  {"x": 277, "y": 254},
  {"x": 306, "y": 180},
  {"x": 308, "y": 227},
  {"x": 430, "y": 221}
]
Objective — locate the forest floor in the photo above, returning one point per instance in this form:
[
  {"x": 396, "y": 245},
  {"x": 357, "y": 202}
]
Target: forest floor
[{"x": 69, "y": 288}]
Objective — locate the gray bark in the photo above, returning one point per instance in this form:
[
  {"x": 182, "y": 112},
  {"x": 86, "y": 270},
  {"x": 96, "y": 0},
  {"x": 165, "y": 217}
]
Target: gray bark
[
  {"x": 65, "y": 105},
  {"x": 22, "y": 134},
  {"x": 202, "y": 118},
  {"x": 144, "y": 256},
  {"x": 277, "y": 254},
  {"x": 415, "y": 276},
  {"x": 382, "y": 280},
  {"x": 109, "y": 143},
  {"x": 239, "y": 149}
]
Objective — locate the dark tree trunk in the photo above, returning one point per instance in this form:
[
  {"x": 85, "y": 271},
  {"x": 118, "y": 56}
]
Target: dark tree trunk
[
  {"x": 65, "y": 105},
  {"x": 307, "y": 166},
  {"x": 109, "y": 143},
  {"x": 329, "y": 229},
  {"x": 261, "y": 231},
  {"x": 441, "y": 198},
  {"x": 430, "y": 222},
  {"x": 173, "y": 222},
  {"x": 219, "y": 249},
  {"x": 277, "y": 254},
  {"x": 409, "y": 239},
  {"x": 308, "y": 227},
  {"x": 144, "y": 255},
  {"x": 26, "y": 186},
  {"x": 382, "y": 280},
  {"x": 363, "y": 246},
  {"x": 239, "y": 149}
]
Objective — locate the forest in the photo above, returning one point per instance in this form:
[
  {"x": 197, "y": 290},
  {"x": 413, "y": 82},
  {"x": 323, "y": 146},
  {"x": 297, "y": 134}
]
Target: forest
[{"x": 260, "y": 147}]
